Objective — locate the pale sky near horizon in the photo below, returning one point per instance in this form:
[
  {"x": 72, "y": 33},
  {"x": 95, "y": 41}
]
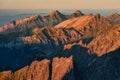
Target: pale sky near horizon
[{"x": 59, "y": 4}]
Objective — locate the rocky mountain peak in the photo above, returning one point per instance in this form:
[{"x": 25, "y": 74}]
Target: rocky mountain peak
[
  {"x": 54, "y": 12},
  {"x": 78, "y": 13}
]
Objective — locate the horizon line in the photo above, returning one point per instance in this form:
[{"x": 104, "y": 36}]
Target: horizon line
[{"x": 61, "y": 9}]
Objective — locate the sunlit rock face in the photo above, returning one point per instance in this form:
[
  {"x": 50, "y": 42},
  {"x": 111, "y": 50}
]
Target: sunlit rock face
[
  {"x": 75, "y": 47},
  {"x": 41, "y": 70},
  {"x": 62, "y": 69},
  {"x": 100, "y": 44},
  {"x": 38, "y": 70}
]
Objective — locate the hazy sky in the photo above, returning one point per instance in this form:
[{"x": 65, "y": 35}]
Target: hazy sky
[{"x": 59, "y": 4}]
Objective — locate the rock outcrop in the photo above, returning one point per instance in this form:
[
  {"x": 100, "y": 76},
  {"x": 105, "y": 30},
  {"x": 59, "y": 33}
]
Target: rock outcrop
[
  {"x": 5, "y": 75},
  {"x": 62, "y": 69},
  {"x": 38, "y": 70},
  {"x": 114, "y": 18},
  {"x": 41, "y": 70}
]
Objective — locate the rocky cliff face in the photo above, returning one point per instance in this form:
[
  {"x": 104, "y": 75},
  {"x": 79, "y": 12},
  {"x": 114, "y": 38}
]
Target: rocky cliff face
[
  {"x": 41, "y": 70},
  {"x": 62, "y": 69},
  {"x": 38, "y": 70},
  {"x": 81, "y": 48}
]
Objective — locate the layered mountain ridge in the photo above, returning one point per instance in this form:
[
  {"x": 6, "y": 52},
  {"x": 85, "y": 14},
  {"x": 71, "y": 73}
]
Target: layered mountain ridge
[
  {"x": 83, "y": 47},
  {"x": 52, "y": 19}
]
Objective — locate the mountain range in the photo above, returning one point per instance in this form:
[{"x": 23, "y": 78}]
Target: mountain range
[{"x": 61, "y": 47}]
